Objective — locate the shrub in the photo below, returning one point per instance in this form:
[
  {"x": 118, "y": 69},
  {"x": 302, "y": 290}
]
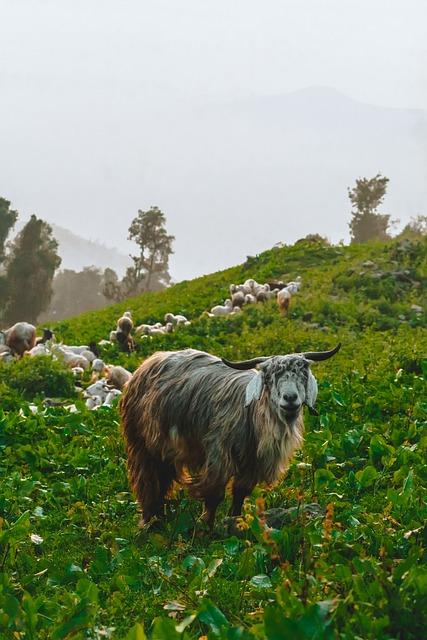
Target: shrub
[{"x": 38, "y": 376}]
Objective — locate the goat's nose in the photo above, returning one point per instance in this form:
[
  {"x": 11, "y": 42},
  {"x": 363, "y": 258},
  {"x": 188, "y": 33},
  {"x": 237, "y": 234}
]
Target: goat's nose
[{"x": 290, "y": 397}]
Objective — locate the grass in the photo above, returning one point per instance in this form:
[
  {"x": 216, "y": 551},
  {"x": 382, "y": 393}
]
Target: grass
[{"x": 73, "y": 563}]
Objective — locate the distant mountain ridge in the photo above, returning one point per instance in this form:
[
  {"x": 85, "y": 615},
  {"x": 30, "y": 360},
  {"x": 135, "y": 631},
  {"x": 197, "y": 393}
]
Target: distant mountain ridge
[{"x": 77, "y": 252}]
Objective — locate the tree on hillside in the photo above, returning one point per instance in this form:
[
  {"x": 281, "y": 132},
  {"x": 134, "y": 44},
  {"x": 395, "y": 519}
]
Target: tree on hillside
[
  {"x": 151, "y": 266},
  {"x": 30, "y": 267},
  {"x": 150, "y": 269},
  {"x": 416, "y": 228},
  {"x": 8, "y": 218},
  {"x": 111, "y": 286},
  {"x": 366, "y": 223},
  {"x": 75, "y": 292}
]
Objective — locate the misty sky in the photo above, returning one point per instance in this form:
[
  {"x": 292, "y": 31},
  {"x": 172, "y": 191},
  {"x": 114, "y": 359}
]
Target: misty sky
[{"x": 103, "y": 103}]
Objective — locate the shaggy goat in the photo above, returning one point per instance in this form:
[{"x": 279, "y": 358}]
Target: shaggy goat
[{"x": 188, "y": 411}]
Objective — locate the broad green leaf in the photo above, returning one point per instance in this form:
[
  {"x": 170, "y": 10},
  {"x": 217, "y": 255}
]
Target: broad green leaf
[
  {"x": 136, "y": 633},
  {"x": 212, "y": 616},
  {"x": 366, "y": 476},
  {"x": 164, "y": 629}
]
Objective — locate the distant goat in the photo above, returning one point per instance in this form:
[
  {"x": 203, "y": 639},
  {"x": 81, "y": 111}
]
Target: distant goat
[
  {"x": 190, "y": 411},
  {"x": 21, "y": 337}
]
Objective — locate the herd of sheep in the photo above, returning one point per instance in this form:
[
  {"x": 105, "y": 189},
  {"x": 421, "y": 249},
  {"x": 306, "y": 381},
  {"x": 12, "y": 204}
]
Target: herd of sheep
[
  {"x": 107, "y": 381},
  {"x": 251, "y": 292}
]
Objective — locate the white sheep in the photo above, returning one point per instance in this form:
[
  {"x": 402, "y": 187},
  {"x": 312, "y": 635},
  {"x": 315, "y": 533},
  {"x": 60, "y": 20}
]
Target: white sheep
[
  {"x": 88, "y": 354},
  {"x": 99, "y": 389},
  {"x": 39, "y": 350},
  {"x": 111, "y": 396},
  {"x": 175, "y": 319},
  {"x": 70, "y": 358},
  {"x": 75, "y": 349},
  {"x": 142, "y": 329},
  {"x": 222, "y": 310}
]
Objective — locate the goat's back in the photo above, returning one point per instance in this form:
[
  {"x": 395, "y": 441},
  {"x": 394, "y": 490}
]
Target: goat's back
[{"x": 183, "y": 400}]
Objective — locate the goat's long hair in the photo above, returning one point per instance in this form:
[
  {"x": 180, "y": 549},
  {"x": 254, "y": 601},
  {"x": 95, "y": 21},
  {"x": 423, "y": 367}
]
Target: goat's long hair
[{"x": 186, "y": 410}]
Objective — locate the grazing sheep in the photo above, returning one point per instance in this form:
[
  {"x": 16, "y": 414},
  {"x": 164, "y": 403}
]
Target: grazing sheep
[
  {"x": 236, "y": 288},
  {"x": 88, "y": 354},
  {"x": 262, "y": 293},
  {"x": 98, "y": 366},
  {"x": 117, "y": 376},
  {"x": 190, "y": 411},
  {"x": 39, "y": 350},
  {"x": 175, "y": 319},
  {"x": 21, "y": 337},
  {"x": 222, "y": 310},
  {"x": 249, "y": 285},
  {"x": 125, "y": 323},
  {"x": 143, "y": 329},
  {"x": 69, "y": 358},
  {"x": 113, "y": 336},
  {"x": 99, "y": 389},
  {"x": 250, "y": 298},
  {"x": 112, "y": 395},
  {"x": 238, "y": 299},
  {"x": 125, "y": 341},
  {"x": 284, "y": 300},
  {"x": 76, "y": 349},
  {"x": 294, "y": 286}
]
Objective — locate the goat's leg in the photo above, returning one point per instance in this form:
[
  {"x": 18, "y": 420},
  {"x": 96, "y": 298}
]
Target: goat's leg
[
  {"x": 151, "y": 479},
  {"x": 212, "y": 500},
  {"x": 240, "y": 492}
]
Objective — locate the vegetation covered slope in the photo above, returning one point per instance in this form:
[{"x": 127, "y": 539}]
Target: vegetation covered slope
[{"x": 74, "y": 564}]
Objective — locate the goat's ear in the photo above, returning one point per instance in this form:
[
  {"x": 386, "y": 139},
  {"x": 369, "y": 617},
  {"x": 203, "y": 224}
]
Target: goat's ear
[
  {"x": 254, "y": 388},
  {"x": 311, "y": 393}
]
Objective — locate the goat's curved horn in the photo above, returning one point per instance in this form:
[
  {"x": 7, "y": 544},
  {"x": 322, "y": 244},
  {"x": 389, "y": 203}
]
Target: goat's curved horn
[
  {"x": 316, "y": 356},
  {"x": 244, "y": 365}
]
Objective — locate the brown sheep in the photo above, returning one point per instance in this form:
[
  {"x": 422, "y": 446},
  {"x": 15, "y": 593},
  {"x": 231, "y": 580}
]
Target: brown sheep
[{"x": 21, "y": 337}]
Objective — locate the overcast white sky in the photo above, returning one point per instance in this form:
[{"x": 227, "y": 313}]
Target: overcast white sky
[
  {"x": 74, "y": 67},
  {"x": 374, "y": 50}
]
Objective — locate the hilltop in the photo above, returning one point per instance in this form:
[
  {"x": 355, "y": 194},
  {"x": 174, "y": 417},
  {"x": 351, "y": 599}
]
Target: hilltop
[{"x": 346, "y": 291}]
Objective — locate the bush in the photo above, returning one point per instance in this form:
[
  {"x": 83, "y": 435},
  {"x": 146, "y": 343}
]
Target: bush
[
  {"x": 38, "y": 376},
  {"x": 10, "y": 399}
]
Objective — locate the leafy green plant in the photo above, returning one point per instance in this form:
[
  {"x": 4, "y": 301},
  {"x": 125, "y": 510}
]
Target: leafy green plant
[{"x": 38, "y": 376}]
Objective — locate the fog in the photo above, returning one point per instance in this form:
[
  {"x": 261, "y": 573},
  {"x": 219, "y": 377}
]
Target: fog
[{"x": 244, "y": 122}]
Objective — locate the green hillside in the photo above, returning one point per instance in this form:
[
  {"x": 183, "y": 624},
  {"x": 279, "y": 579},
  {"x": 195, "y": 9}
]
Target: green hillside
[
  {"x": 72, "y": 561},
  {"x": 344, "y": 297}
]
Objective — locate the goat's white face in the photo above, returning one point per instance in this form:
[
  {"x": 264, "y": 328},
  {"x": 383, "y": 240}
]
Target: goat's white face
[{"x": 290, "y": 384}]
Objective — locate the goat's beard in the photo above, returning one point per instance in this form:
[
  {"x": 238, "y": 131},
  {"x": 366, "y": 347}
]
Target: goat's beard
[{"x": 289, "y": 418}]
